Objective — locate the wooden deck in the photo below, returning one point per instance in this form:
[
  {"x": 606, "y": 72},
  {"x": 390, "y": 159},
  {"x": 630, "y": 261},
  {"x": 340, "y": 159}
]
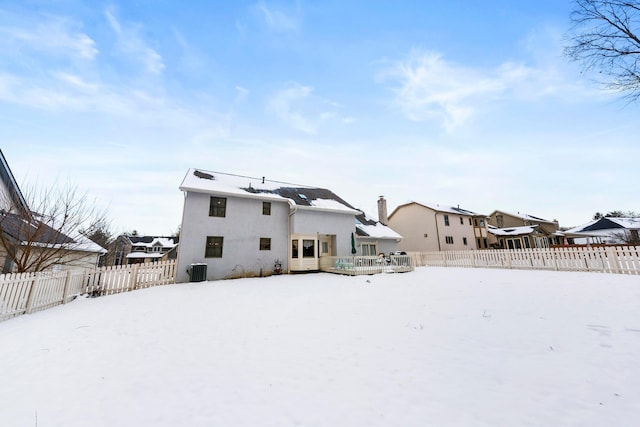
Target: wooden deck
[{"x": 366, "y": 265}]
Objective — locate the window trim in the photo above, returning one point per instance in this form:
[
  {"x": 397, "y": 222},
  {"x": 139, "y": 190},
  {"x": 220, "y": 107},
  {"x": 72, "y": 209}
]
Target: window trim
[
  {"x": 266, "y": 208},
  {"x": 218, "y": 207},
  {"x": 265, "y": 244},
  {"x": 211, "y": 250}
]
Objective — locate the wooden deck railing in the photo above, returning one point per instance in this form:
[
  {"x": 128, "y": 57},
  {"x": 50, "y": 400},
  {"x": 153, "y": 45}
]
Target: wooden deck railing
[{"x": 357, "y": 265}]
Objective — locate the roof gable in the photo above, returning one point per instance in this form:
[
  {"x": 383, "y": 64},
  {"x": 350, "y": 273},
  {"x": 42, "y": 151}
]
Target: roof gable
[
  {"x": 525, "y": 217},
  {"x": 436, "y": 207},
  {"x": 608, "y": 223}
]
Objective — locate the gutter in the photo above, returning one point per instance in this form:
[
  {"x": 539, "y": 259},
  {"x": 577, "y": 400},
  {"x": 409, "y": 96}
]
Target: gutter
[{"x": 435, "y": 217}]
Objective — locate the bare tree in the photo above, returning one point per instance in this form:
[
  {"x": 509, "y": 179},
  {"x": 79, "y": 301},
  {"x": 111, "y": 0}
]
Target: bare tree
[
  {"x": 605, "y": 38},
  {"x": 47, "y": 231}
]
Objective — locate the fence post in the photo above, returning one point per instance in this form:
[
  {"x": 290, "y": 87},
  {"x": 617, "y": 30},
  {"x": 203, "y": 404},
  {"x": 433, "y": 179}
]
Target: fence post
[
  {"x": 32, "y": 294},
  {"x": 614, "y": 263},
  {"x": 67, "y": 283},
  {"x": 133, "y": 278}
]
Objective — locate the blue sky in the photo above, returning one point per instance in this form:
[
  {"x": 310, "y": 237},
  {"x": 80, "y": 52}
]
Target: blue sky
[{"x": 455, "y": 102}]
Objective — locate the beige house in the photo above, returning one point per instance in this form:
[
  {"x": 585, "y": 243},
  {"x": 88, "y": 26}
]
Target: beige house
[
  {"x": 523, "y": 231},
  {"x": 427, "y": 227}
]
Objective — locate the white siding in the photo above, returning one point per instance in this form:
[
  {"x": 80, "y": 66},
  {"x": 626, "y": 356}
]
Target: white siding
[{"x": 241, "y": 229}]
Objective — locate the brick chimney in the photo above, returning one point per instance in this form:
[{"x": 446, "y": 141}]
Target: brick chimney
[{"x": 382, "y": 211}]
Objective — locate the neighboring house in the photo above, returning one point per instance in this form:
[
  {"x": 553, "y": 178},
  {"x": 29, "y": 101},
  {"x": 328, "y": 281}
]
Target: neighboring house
[
  {"x": 429, "y": 227},
  {"x": 522, "y": 231},
  {"x": 140, "y": 249},
  {"x": 607, "y": 230},
  {"x": 25, "y": 237},
  {"x": 523, "y": 237},
  {"x": 239, "y": 226}
]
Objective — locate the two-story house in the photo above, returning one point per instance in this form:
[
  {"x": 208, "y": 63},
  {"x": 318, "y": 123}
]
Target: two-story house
[
  {"x": 427, "y": 227},
  {"x": 523, "y": 231},
  {"x": 240, "y": 226},
  {"x": 128, "y": 249}
]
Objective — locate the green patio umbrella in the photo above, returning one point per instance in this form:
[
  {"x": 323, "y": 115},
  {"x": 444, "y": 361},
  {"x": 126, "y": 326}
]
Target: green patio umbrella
[{"x": 353, "y": 244}]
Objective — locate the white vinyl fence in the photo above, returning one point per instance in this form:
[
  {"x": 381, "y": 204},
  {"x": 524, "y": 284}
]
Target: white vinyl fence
[
  {"x": 608, "y": 259},
  {"x": 23, "y": 293}
]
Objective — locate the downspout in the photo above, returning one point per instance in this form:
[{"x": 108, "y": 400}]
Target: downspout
[
  {"x": 292, "y": 210},
  {"x": 435, "y": 218}
]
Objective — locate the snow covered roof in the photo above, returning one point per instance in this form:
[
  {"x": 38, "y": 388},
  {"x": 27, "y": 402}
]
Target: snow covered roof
[
  {"x": 144, "y": 255},
  {"x": 367, "y": 227},
  {"x": 442, "y": 208},
  {"x": 152, "y": 241},
  {"x": 304, "y": 196},
  {"x": 526, "y": 217},
  {"x": 512, "y": 231},
  {"x": 607, "y": 224}
]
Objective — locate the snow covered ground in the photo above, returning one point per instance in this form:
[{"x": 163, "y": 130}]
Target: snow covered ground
[{"x": 436, "y": 347}]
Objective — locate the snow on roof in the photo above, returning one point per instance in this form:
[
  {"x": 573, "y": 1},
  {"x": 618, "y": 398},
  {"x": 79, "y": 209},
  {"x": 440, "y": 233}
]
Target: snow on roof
[
  {"x": 201, "y": 181},
  {"x": 512, "y": 231},
  {"x": 526, "y": 217},
  {"x": 445, "y": 208},
  {"x": 368, "y": 227},
  {"x": 150, "y": 242},
  {"x": 629, "y": 223},
  {"x": 144, "y": 255},
  {"x": 85, "y": 244},
  {"x": 329, "y": 204},
  {"x": 606, "y": 225}
]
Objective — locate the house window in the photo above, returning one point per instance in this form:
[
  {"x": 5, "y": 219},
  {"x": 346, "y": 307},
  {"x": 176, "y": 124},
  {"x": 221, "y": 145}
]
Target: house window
[
  {"x": 218, "y": 206},
  {"x": 265, "y": 243},
  {"x": 469, "y": 221},
  {"x": 294, "y": 249},
  {"x": 475, "y": 222},
  {"x": 464, "y": 241},
  {"x": 325, "y": 247},
  {"x": 526, "y": 242},
  {"x": 448, "y": 240},
  {"x": 369, "y": 249},
  {"x": 308, "y": 249},
  {"x": 486, "y": 245},
  {"x": 461, "y": 221},
  {"x": 266, "y": 208},
  {"x": 214, "y": 247},
  {"x": 514, "y": 244},
  {"x": 479, "y": 243},
  {"x": 446, "y": 220}
]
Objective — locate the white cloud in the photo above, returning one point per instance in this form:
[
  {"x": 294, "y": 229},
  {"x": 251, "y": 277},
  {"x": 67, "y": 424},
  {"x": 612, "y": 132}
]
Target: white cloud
[
  {"x": 428, "y": 87},
  {"x": 296, "y": 105},
  {"x": 282, "y": 106},
  {"x": 277, "y": 20},
  {"x": 53, "y": 35},
  {"x": 132, "y": 44},
  {"x": 242, "y": 93}
]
